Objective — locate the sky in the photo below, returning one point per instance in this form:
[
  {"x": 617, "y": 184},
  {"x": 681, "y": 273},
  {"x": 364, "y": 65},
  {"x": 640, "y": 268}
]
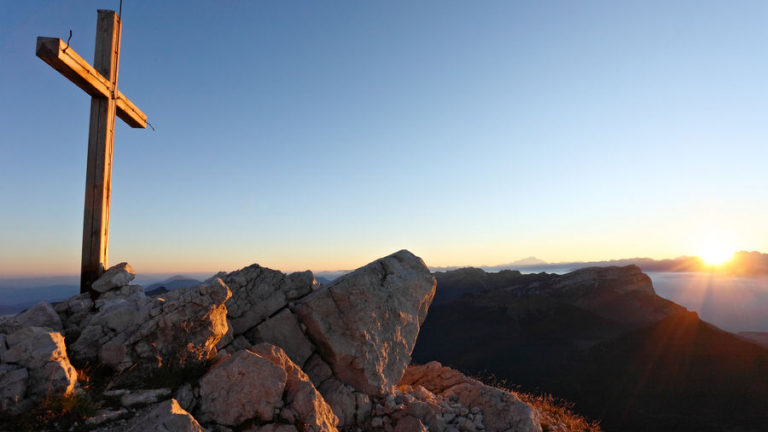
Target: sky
[{"x": 323, "y": 135}]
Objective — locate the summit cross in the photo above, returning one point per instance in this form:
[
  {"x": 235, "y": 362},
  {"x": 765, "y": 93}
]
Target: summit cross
[{"x": 99, "y": 81}]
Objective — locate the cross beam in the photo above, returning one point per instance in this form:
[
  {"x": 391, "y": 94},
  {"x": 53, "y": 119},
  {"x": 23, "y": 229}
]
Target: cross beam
[
  {"x": 64, "y": 59},
  {"x": 99, "y": 81}
]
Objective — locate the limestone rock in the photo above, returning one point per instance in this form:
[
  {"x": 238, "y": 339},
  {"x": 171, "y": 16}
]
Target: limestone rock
[
  {"x": 243, "y": 387},
  {"x": 317, "y": 370},
  {"x": 273, "y": 427},
  {"x": 145, "y": 397},
  {"x": 257, "y": 293},
  {"x": 42, "y": 356},
  {"x": 256, "y": 384},
  {"x": 116, "y": 277},
  {"x": 283, "y": 330},
  {"x": 501, "y": 410},
  {"x": 166, "y": 417},
  {"x": 13, "y": 387},
  {"x": 311, "y": 409},
  {"x": 41, "y": 314},
  {"x": 181, "y": 328},
  {"x": 410, "y": 424},
  {"x": 365, "y": 323},
  {"x": 342, "y": 400},
  {"x": 73, "y": 311}
]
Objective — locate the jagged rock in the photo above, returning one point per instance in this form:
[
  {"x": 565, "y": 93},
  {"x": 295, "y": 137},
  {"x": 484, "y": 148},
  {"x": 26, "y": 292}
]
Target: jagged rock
[
  {"x": 317, "y": 369},
  {"x": 273, "y": 427},
  {"x": 410, "y": 424},
  {"x": 365, "y": 324},
  {"x": 41, "y": 314},
  {"x": 145, "y": 397},
  {"x": 311, "y": 409},
  {"x": 181, "y": 328},
  {"x": 103, "y": 416},
  {"x": 257, "y": 293},
  {"x": 74, "y": 310},
  {"x": 501, "y": 410},
  {"x": 185, "y": 396},
  {"x": 283, "y": 330},
  {"x": 129, "y": 292},
  {"x": 243, "y": 387},
  {"x": 342, "y": 401},
  {"x": 43, "y": 355},
  {"x": 117, "y": 276},
  {"x": 166, "y": 417},
  {"x": 258, "y": 382},
  {"x": 13, "y": 386}
]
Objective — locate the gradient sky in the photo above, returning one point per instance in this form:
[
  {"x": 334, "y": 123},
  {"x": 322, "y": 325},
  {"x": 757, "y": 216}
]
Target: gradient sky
[{"x": 322, "y": 135}]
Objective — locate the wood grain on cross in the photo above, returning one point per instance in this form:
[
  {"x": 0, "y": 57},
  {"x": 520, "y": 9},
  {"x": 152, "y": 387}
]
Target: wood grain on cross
[{"x": 99, "y": 81}]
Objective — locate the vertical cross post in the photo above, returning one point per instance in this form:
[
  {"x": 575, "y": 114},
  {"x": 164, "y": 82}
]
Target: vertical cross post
[{"x": 101, "y": 135}]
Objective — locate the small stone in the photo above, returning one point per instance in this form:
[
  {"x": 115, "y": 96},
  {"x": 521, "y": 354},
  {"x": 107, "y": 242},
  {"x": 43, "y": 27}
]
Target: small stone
[
  {"x": 105, "y": 416},
  {"x": 145, "y": 397}
]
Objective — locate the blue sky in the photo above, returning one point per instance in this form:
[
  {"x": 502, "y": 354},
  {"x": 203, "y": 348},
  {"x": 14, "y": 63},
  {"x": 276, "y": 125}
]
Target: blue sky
[{"x": 322, "y": 135}]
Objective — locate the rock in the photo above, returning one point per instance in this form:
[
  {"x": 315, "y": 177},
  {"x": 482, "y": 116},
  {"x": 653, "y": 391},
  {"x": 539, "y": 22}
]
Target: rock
[
  {"x": 300, "y": 284},
  {"x": 103, "y": 416},
  {"x": 43, "y": 355},
  {"x": 501, "y": 410},
  {"x": 116, "y": 277},
  {"x": 124, "y": 292},
  {"x": 185, "y": 396},
  {"x": 243, "y": 387},
  {"x": 13, "y": 387},
  {"x": 257, "y": 293},
  {"x": 317, "y": 369},
  {"x": 145, "y": 397},
  {"x": 73, "y": 310},
  {"x": 273, "y": 427},
  {"x": 365, "y": 323},
  {"x": 144, "y": 334},
  {"x": 167, "y": 417},
  {"x": 283, "y": 330},
  {"x": 410, "y": 424},
  {"x": 41, "y": 314},
  {"x": 302, "y": 397},
  {"x": 342, "y": 401}
]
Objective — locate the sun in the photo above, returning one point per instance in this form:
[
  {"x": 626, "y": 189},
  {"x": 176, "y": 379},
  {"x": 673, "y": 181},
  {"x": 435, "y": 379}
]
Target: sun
[{"x": 715, "y": 253}]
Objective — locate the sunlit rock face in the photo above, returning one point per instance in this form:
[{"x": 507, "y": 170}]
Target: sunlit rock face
[
  {"x": 128, "y": 331},
  {"x": 365, "y": 323},
  {"x": 33, "y": 366},
  {"x": 262, "y": 384},
  {"x": 272, "y": 352}
]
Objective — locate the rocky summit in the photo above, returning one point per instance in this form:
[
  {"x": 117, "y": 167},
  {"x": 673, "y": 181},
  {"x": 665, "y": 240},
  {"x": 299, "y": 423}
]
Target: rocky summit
[{"x": 255, "y": 350}]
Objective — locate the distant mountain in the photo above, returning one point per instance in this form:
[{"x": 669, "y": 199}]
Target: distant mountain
[
  {"x": 742, "y": 264},
  {"x": 591, "y": 336},
  {"x": 329, "y": 276},
  {"x": 170, "y": 284},
  {"x": 14, "y": 300}
]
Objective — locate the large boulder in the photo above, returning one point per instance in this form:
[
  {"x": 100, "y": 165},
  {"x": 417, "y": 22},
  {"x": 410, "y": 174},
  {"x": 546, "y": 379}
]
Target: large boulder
[
  {"x": 262, "y": 384},
  {"x": 501, "y": 410},
  {"x": 181, "y": 328},
  {"x": 365, "y": 323},
  {"x": 33, "y": 366},
  {"x": 41, "y": 314}
]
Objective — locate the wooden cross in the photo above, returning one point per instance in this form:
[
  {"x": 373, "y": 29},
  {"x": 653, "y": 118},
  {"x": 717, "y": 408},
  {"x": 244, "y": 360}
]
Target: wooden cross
[{"x": 99, "y": 81}]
